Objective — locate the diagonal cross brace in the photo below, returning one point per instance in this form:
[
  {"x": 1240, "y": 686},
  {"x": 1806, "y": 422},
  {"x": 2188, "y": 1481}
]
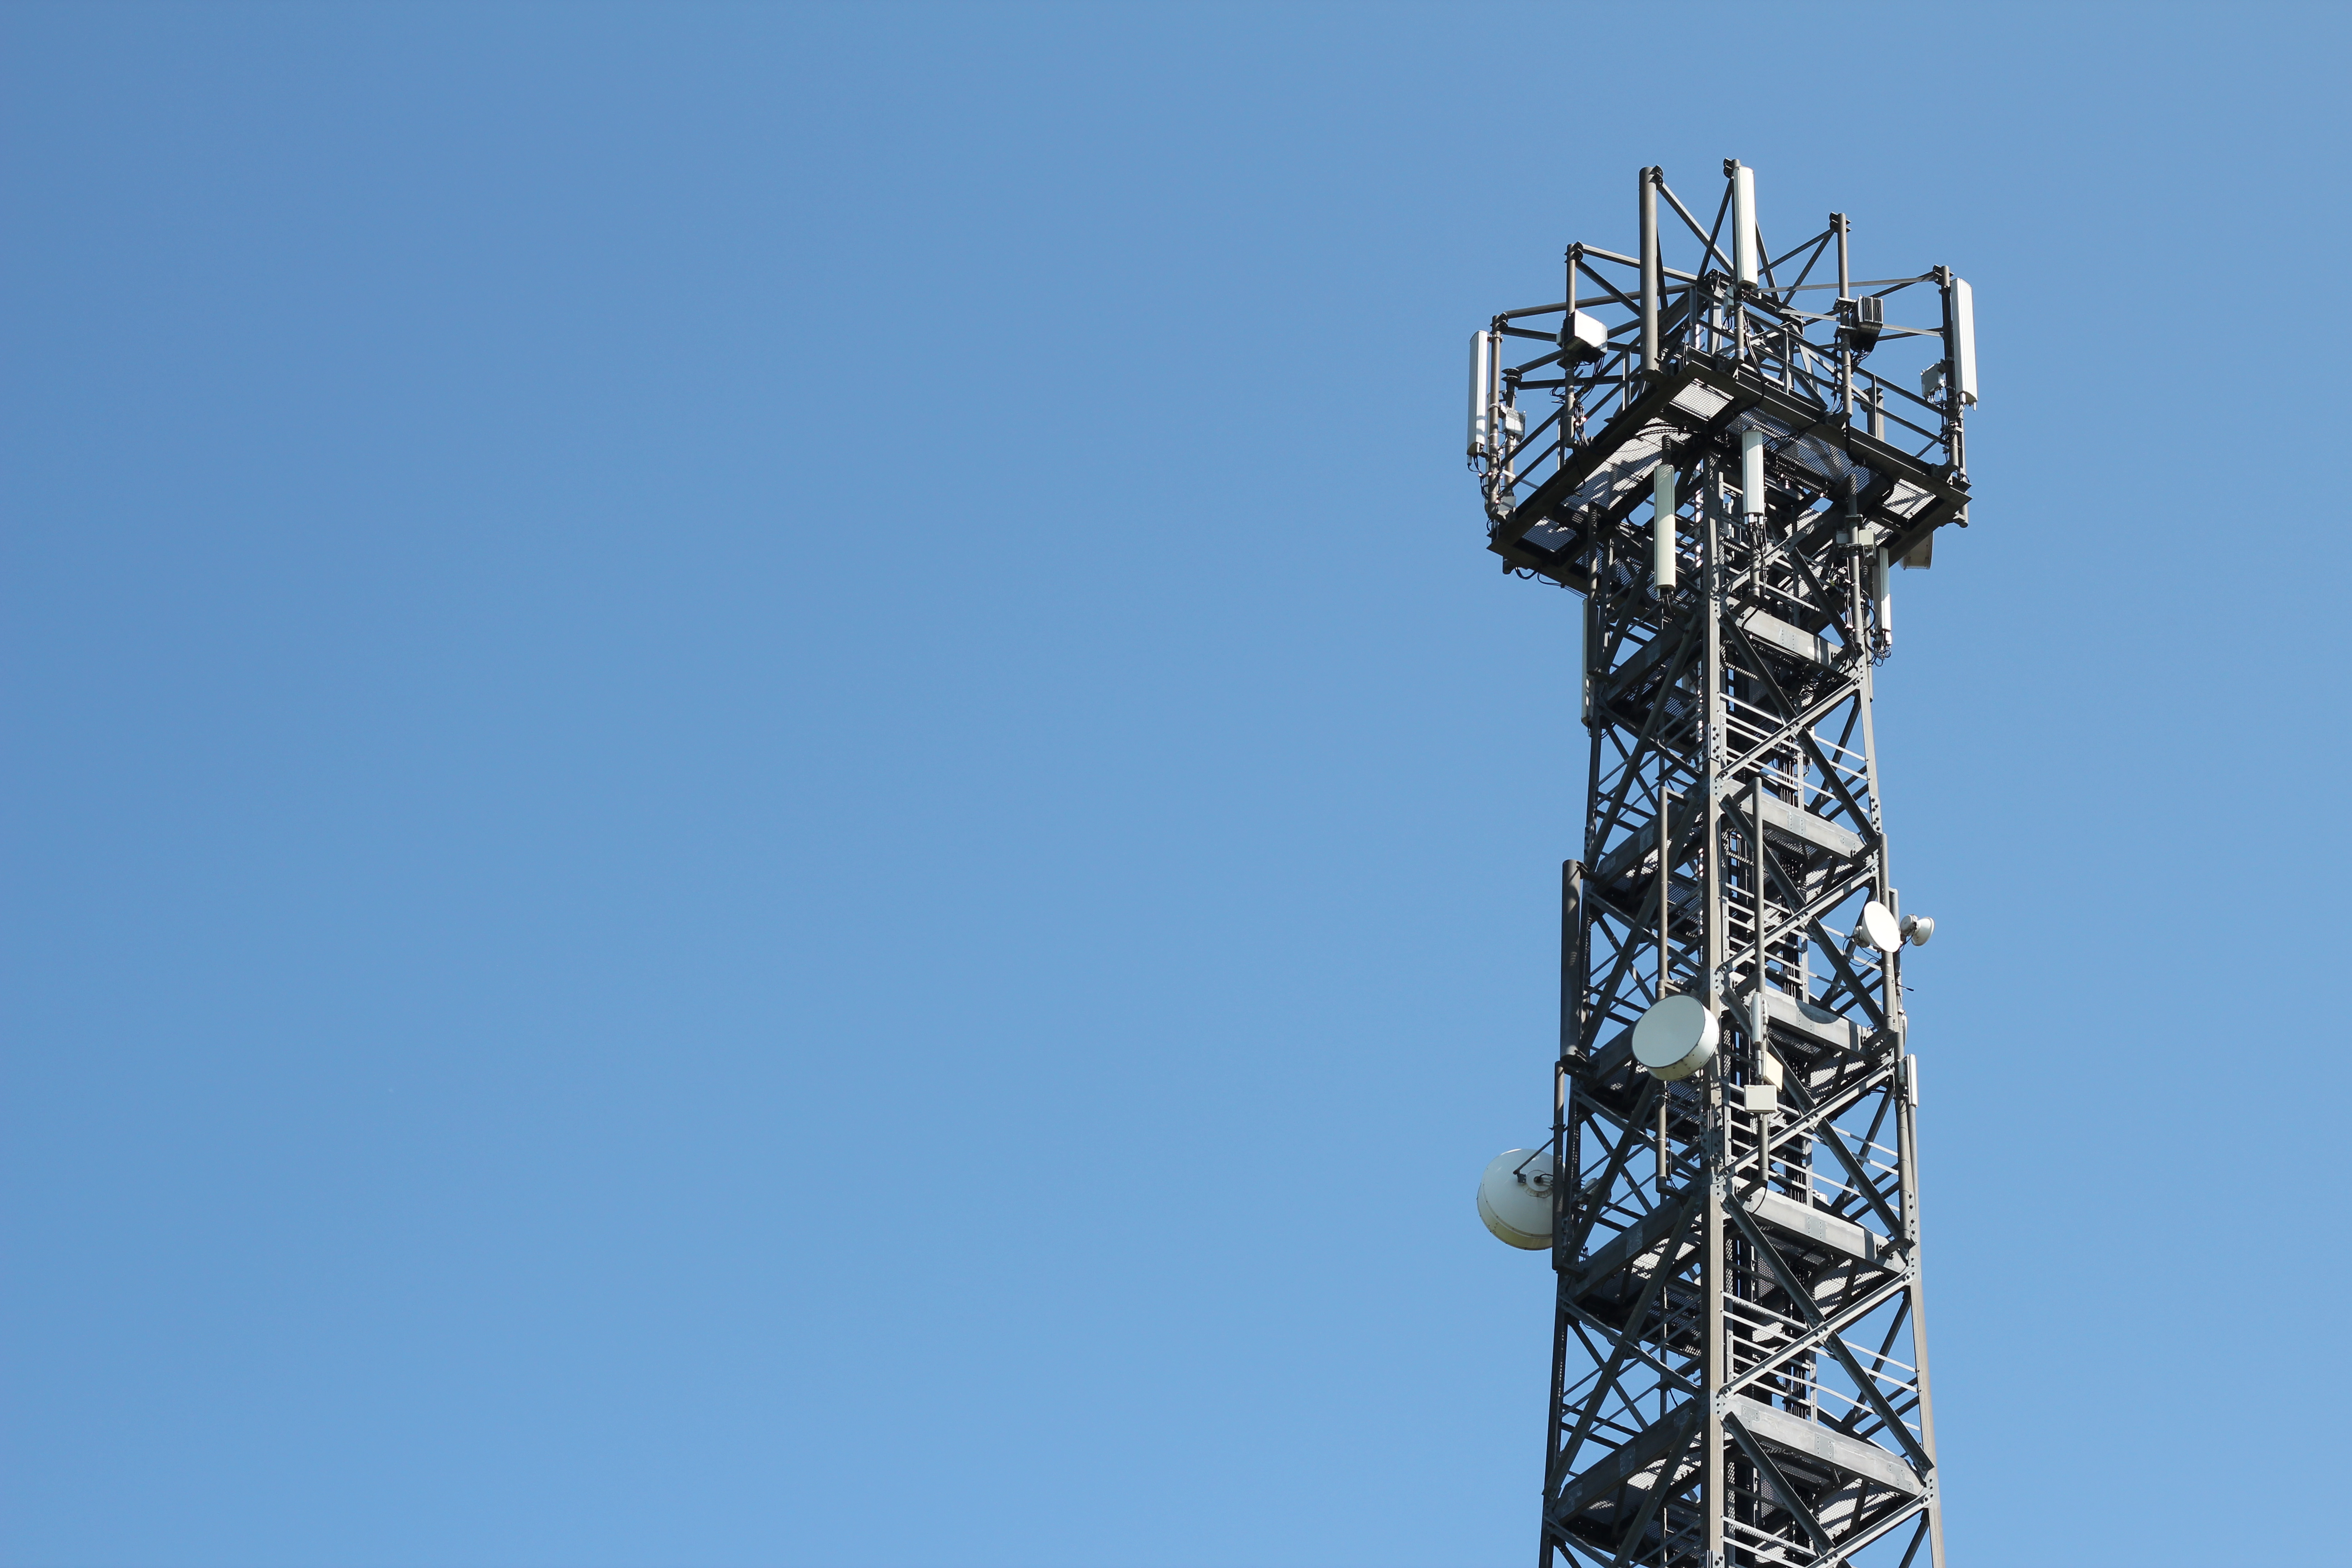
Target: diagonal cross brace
[
  {"x": 1815, "y": 1336},
  {"x": 1833, "y": 1344},
  {"x": 1789, "y": 1500}
]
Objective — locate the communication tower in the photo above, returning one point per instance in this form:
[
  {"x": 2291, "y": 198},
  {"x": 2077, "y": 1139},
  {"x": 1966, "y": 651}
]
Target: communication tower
[{"x": 1724, "y": 462}]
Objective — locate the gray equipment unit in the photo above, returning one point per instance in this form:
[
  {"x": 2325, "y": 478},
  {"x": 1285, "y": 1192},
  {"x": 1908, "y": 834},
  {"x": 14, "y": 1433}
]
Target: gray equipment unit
[{"x": 1739, "y": 1357}]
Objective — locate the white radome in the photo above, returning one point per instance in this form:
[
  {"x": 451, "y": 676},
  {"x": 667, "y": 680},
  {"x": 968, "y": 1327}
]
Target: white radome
[
  {"x": 1514, "y": 1198},
  {"x": 1675, "y": 1039},
  {"x": 1879, "y": 927}
]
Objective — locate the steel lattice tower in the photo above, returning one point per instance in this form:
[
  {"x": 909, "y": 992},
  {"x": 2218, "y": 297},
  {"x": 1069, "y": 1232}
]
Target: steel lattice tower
[{"x": 1729, "y": 462}]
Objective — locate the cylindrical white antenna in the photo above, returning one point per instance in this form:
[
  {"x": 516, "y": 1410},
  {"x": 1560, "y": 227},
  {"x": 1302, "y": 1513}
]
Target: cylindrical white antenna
[
  {"x": 1662, "y": 527},
  {"x": 1482, "y": 379},
  {"x": 1743, "y": 223},
  {"x": 1751, "y": 472}
]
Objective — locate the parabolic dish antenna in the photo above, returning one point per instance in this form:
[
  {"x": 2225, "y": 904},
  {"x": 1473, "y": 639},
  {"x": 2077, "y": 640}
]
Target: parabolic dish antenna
[
  {"x": 1879, "y": 927},
  {"x": 1514, "y": 1198},
  {"x": 1675, "y": 1038}
]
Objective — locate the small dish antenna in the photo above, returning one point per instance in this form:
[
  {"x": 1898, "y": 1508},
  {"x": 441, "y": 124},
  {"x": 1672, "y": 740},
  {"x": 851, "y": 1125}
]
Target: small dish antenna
[
  {"x": 1879, "y": 928},
  {"x": 1675, "y": 1038},
  {"x": 1514, "y": 1198},
  {"x": 1918, "y": 928}
]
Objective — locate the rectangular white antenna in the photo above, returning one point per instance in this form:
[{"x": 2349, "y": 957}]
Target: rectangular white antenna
[
  {"x": 1662, "y": 527},
  {"x": 1964, "y": 338},
  {"x": 1743, "y": 223},
  {"x": 1482, "y": 379},
  {"x": 1884, "y": 599},
  {"x": 1751, "y": 472}
]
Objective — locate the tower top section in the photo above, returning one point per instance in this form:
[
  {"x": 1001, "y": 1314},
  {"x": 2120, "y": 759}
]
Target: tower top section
[{"x": 1850, "y": 393}]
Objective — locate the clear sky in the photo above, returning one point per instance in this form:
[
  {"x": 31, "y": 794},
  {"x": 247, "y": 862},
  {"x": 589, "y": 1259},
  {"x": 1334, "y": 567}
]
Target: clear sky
[{"x": 766, "y": 801}]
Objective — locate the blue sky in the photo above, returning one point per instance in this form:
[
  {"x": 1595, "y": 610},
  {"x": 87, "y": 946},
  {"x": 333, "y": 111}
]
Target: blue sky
[{"x": 766, "y": 801}]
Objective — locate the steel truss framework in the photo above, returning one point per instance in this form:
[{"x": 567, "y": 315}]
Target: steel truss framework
[{"x": 1739, "y": 1367}]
